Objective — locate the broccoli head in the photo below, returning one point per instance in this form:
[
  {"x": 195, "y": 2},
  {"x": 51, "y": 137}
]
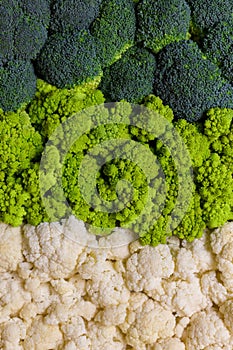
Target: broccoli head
[
  {"x": 114, "y": 29},
  {"x": 17, "y": 84},
  {"x": 205, "y": 14},
  {"x": 218, "y": 46},
  {"x": 68, "y": 59},
  {"x": 70, "y": 15},
  {"x": 189, "y": 83},
  {"x": 162, "y": 22},
  {"x": 23, "y": 28},
  {"x": 131, "y": 77}
]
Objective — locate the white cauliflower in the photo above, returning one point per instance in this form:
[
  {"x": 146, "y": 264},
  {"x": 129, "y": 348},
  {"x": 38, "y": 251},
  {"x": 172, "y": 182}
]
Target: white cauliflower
[
  {"x": 61, "y": 288},
  {"x": 144, "y": 268},
  {"x": 10, "y": 247},
  {"x": 50, "y": 251},
  {"x": 42, "y": 336},
  {"x": 222, "y": 245},
  {"x": 206, "y": 329},
  {"x": 169, "y": 344},
  {"x": 146, "y": 322}
]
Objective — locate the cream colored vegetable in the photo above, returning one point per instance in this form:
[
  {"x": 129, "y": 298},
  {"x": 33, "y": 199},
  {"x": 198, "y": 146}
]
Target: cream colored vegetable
[{"x": 56, "y": 293}]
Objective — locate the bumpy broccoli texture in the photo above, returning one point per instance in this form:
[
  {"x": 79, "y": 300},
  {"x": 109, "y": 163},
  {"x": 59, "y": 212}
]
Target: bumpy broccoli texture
[
  {"x": 69, "y": 59},
  {"x": 17, "y": 84},
  {"x": 23, "y": 28},
  {"x": 162, "y": 22},
  {"x": 131, "y": 77},
  {"x": 206, "y": 14},
  {"x": 189, "y": 83},
  {"x": 218, "y": 46},
  {"x": 114, "y": 29},
  {"x": 69, "y": 15}
]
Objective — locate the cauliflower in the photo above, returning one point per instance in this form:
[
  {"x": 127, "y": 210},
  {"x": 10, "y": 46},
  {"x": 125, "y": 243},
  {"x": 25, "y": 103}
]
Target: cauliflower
[
  {"x": 56, "y": 293},
  {"x": 206, "y": 329},
  {"x": 50, "y": 251},
  {"x": 145, "y": 267},
  {"x": 10, "y": 247}
]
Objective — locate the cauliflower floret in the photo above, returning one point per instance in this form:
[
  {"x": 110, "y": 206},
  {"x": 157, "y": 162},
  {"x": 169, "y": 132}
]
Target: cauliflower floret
[
  {"x": 75, "y": 330},
  {"x": 146, "y": 322},
  {"x": 10, "y": 247},
  {"x": 222, "y": 245},
  {"x": 185, "y": 266},
  {"x": 221, "y": 236},
  {"x": 202, "y": 253},
  {"x": 51, "y": 252},
  {"x": 112, "y": 315},
  {"x": 227, "y": 310},
  {"x": 145, "y": 267},
  {"x": 41, "y": 336},
  {"x": 169, "y": 344},
  {"x": 188, "y": 298},
  {"x": 105, "y": 337},
  {"x": 212, "y": 288},
  {"x": 12, "y": 295},
  {"x": 105, "y": 286},
  {"x": 12, "y": 333},
  {"x": 205, "y": 329}
]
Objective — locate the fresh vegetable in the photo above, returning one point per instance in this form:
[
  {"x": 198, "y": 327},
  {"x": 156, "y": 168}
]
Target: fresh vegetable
[
  {"x": 62, "y": 293},
  {"x": 161, "y": 22}
]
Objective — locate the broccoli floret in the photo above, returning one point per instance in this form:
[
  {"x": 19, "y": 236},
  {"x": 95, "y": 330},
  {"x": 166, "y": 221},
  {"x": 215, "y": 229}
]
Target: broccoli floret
[
  {"x": 70, "y": 15},
  {"x": 17, "y": 84},
  {"x": 131, "y": 77},
  {"x": 218, "y": 46},
  {"x": 189, "y": 83},
  {"x": 218, "y": 122},
  {"x": 114, "y": 29},
  {"x": 162, "y": 22},
  {"x": 52, "y": 106},
  {"x": 205, "y": 14},
  {"x": 67, "y": 60},
  {"x": 23, "y": 28}
]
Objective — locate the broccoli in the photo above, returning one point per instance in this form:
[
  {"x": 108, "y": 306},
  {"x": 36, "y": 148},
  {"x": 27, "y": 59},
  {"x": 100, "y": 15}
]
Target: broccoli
[
  {"x": 17, "y": 84},
  {"x": 23, "y": 28},
  {"x": 205, "y": 14},
  {"x": 189, "y": 83},
  {"x": 20, "y": 146},
  {"x": 218, "y": 46},
  {"x": 114, "y": 29},
  {"x": 70, "y": 15},
  {"x": 131, "y": 77},
  {"x": 162, "y": 22},
  {"x": 67, "y": 60}
]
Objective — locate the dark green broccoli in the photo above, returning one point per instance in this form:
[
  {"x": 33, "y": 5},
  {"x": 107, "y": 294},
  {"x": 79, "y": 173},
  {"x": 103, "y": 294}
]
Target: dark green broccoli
[
  {"x": 70, "y": 15},
  {"x": 205, "y": 14},
  {"x": 114, "y": 29},
  {"x": 23, "y": 28},
  {"x": 189, "y": 83},
  {"x": 131, "y": 77},
  {"x": 162, "y": 22},
  {"x": 68, "y": 59},
  {"x": 218, "y": 46},
  {"x": 17, "y": 84}
]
